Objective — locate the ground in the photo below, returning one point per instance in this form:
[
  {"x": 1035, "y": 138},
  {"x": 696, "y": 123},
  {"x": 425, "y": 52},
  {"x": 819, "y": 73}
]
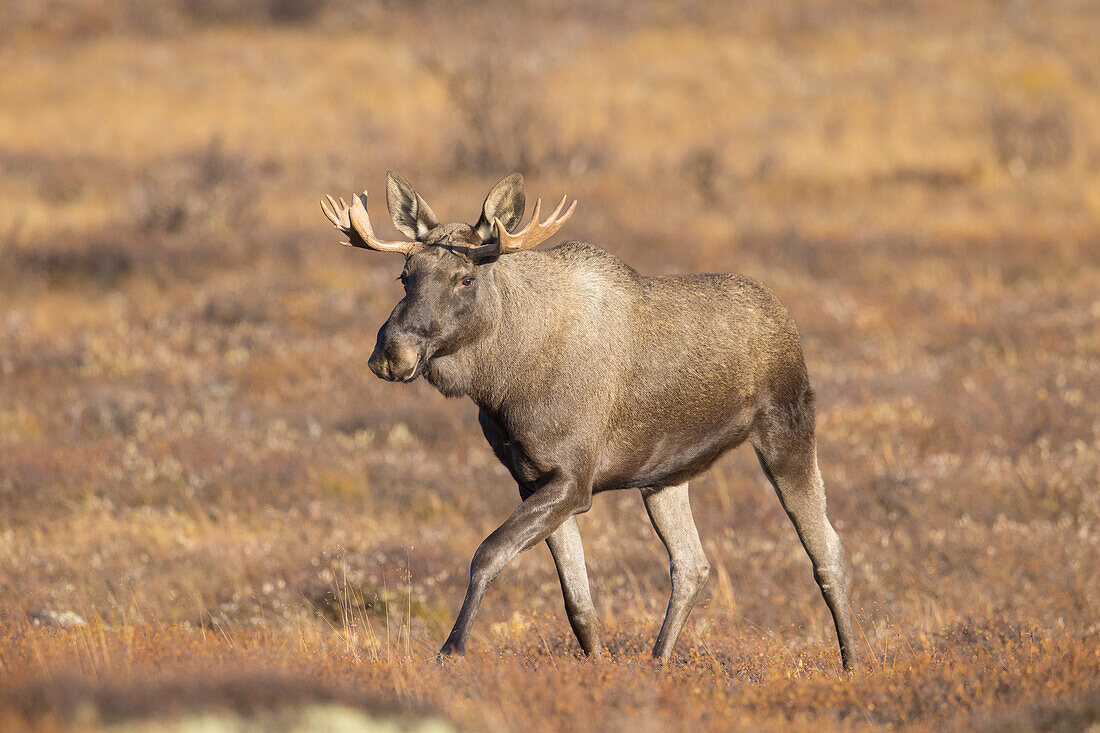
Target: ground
[{"x": 210, "y": 507}]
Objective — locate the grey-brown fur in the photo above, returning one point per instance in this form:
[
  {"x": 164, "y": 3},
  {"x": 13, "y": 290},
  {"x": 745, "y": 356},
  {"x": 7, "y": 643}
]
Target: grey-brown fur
[{"x": 590, "y": 377}]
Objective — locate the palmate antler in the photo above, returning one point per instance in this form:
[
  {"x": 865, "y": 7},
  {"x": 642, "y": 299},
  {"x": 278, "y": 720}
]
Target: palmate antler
[
  {"x": 535, "y": 232},
  {"x": 353, "y": 221},
  {"x": 532, "y": 235}
]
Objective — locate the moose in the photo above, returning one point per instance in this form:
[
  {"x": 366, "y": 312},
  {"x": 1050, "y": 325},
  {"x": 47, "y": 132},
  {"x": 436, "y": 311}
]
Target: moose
[{"x": 590, "y": 377}]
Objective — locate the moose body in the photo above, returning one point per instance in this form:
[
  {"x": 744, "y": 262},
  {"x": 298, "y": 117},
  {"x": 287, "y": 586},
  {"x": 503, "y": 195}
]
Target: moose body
[{"x": 590, "y": 377}]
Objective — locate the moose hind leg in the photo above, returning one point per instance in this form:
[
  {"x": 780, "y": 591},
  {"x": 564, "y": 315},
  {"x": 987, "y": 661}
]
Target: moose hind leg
[
  {"x": 565, "y": 545},
  {"x": 797, "y": 481},
  {"x": 670, "y": 512}
]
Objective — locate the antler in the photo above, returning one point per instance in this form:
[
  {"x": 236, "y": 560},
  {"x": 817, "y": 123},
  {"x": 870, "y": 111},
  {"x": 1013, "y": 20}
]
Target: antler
[
  {"x": 535, "y": 232},
  {"x": 354, "y": 222}
]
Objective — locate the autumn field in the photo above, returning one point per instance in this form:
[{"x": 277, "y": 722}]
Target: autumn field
[{"x": 212, "y": 513}]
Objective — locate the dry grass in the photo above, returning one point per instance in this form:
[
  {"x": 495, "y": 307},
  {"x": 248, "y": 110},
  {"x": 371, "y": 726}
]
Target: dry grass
[{"x": 195, "y": 459}]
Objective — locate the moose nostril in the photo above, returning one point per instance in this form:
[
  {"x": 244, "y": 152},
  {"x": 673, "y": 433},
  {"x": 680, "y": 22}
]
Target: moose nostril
[
  {"x": 377, "y": 364},
  {"x": 404, "y": 365}
]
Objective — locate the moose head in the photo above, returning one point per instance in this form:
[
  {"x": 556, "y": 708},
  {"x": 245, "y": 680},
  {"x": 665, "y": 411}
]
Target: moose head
[{"x": 448, "y": 274}]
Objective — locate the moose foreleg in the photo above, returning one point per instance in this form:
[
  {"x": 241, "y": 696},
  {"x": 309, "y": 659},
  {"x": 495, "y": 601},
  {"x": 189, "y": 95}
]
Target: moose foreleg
[
  {"x": 565, "y": 546},
  {"x": 532, "y": 522}
]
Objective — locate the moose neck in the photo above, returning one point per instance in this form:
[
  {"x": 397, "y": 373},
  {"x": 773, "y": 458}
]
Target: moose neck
[{"x": 522, "y": 322}]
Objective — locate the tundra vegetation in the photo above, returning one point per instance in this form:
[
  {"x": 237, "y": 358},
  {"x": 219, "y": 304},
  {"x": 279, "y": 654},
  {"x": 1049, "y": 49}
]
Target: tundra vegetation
[{"x": 209, "y": 503}]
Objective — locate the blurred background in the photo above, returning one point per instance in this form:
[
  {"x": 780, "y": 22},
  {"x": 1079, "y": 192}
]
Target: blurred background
[{"x": 199, "y": 473}]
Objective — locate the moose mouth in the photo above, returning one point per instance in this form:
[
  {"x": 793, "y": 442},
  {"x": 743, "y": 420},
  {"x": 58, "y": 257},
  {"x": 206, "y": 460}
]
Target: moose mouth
[
  {"x": 416, "y": 370},
  {"x": 412, "y": 373}
]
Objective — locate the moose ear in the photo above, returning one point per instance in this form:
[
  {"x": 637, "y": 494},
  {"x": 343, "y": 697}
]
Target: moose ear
[
  {"x": 410, "y": 213},
  {"x": 504, "y": 202}
]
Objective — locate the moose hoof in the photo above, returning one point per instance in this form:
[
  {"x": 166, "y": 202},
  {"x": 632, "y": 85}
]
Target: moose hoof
[{"x": 450, "y": 650}]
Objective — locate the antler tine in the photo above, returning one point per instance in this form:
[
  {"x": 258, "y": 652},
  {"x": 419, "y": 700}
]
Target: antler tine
[
  {"x": 558, "y": 209},
  {"x": 523, "y": 233},
  {"x": 355, "y": 223},
  {"x": 328, "y": 206},
  {"x": 568, "y": 212},
  {"x": 535, "y": 232}
]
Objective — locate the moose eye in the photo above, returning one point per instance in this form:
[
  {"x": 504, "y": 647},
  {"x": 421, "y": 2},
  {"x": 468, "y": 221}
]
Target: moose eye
[{"x": 467, "y": 282}]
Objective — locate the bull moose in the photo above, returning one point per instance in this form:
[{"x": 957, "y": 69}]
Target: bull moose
[{"x": 590, "y": 377}]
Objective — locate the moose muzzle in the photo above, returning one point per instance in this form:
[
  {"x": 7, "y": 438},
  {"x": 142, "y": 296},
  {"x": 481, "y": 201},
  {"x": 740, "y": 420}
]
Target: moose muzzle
[{"x": 396, "y": 357}]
